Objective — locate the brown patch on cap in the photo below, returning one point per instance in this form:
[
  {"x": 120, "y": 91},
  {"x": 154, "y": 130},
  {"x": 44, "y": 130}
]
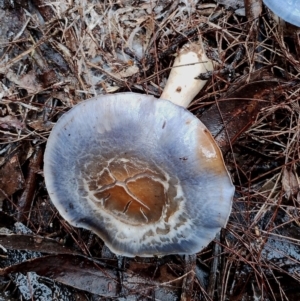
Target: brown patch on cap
[
  {"x": 133, "y": 194},
  {"x": 209, "y": 153}
]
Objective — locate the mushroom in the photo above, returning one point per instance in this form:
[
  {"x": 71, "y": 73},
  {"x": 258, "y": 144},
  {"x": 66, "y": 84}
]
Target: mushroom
[
  {"x": 289, "y": 11},
  {"x": 142, "y": 173}
]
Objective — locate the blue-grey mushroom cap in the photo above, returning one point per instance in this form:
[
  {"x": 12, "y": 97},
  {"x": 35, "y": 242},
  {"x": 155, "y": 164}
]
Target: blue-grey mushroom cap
[
  {"x": 143, "y": 174},
  {"x": 288, "y": 10}
]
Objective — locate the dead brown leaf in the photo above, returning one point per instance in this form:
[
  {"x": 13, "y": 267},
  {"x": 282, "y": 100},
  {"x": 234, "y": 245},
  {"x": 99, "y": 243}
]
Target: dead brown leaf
[
  {"x": 10, "y": 121},
  {"x": 238, "y": 110},
  {"x": 33, "y": 243},
  {"x": 290, "y": 184},
  {"x": 91, "y": 276},
  {"x": 11, "y": 178}
]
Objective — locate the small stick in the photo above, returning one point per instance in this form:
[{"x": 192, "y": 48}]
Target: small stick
[
  {"x": 28, "y": 193},
  {"x": 188, "y": 281}
]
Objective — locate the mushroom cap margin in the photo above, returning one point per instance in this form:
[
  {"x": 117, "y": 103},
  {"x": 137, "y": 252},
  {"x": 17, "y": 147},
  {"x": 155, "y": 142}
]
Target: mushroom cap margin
[{"x": 288, "y": 10}]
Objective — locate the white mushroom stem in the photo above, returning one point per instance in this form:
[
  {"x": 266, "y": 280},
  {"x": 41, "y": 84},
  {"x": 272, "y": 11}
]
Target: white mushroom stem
[{"x": 182, "y": 87}]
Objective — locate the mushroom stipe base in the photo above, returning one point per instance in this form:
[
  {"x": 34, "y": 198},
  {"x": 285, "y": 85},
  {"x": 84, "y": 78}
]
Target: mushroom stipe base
[{"x": 144, "y": 174}]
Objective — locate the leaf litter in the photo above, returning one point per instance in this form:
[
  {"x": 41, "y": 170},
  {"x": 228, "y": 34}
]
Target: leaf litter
[{"x": 55, "y": 54}]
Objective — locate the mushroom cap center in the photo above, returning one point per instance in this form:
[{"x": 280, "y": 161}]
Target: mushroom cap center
[{"x": 133, "y": 191}]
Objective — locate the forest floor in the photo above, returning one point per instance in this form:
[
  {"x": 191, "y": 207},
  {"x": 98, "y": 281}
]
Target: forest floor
[{"x": 55, "y": 54}]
